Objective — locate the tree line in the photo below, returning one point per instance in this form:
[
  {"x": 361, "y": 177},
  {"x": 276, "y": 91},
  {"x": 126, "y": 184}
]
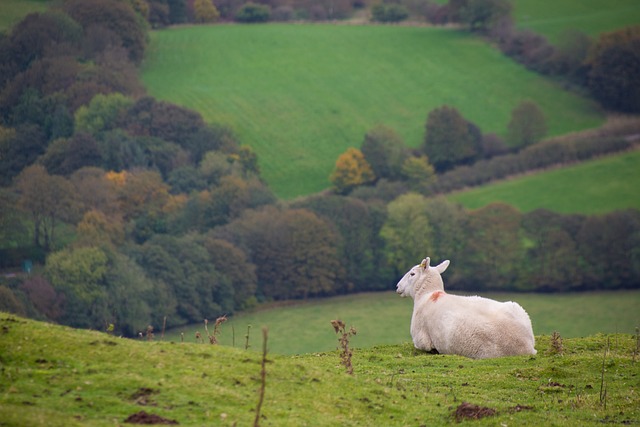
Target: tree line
[{"x": 134, "y": 209}]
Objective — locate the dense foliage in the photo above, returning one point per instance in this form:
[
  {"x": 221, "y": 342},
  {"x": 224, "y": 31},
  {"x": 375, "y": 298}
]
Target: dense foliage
[{"x": 136, "y": 210}]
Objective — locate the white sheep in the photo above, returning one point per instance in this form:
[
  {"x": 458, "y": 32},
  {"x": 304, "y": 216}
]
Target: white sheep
[{"x": 475, "y": 327}]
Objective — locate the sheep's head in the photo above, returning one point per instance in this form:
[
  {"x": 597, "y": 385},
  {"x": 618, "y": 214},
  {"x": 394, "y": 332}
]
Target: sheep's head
[{"x": 422, "y": 277}]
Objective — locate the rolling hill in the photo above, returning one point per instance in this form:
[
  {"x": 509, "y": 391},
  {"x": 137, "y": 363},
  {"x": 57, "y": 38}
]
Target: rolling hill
[
  {"x": 300, "y": 95},
  {"x": 551, "y": 18},
  {"x": 593, "y": 187}
]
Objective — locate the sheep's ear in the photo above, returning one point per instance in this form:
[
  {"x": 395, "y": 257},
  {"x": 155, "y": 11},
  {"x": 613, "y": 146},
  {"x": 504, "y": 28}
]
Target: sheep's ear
[
  {"x": 442, "y": 266},
  {"x": 425, "y": 263}
]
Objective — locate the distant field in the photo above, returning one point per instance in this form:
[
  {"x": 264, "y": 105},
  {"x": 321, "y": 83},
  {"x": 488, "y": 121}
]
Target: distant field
[
  {"x": 552, "y": 17},
  {"x": 300, "y": 95},
  {"x": 384, "y": 318},
  {"x": 12, "y": 11},
  {"x": 593, "y": 187}
]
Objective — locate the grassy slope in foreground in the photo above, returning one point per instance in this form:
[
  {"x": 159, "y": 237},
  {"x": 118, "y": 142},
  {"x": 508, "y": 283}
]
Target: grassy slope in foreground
[
  {"x": 552, "y": 17},
  {"x": 593, "y": 187},
  {"x": 56, "y": 376},
  {"x": 300, "y": 95}
]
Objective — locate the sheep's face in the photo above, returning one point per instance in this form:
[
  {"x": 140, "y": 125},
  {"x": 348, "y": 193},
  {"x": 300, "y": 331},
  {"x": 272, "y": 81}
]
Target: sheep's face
[
  {"x": 406, "y": 285},
  {"x": 422, "y": 276}
]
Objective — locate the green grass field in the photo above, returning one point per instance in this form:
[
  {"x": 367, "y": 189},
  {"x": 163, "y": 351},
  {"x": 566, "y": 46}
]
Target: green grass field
[
  {"x": 551, "y": 17},
  {"x": 384, "y": 318},
  {"x": 55, "y": 376},
  {"x": 12, "y": 11},
  {"x": 593, "y": 187},
  {"x": 300, "y": 95}
]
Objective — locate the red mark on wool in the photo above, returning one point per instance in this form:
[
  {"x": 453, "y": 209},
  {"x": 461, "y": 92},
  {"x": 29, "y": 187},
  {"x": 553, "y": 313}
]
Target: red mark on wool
[{"x": 434, "y": 296}]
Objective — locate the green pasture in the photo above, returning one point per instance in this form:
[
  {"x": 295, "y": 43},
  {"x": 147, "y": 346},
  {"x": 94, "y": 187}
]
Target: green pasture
[
  {"x": 300, "y": 95},
  {"x": 384, "y": 318},
  {"x": 593, "y": 187},
  {"x": 12, "y": 11},
  {"x": 55, "y": 376},
  {"x": 552, "y": 17}
]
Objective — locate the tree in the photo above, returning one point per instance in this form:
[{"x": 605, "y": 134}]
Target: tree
[
  {"x": 389, "y": 12},
  {"x": 130, "y": 296},
  {"x": 184, "y": 265},
  {"x": 295, "y": 252},
  {"x": 118, "y": 17},
  {"x": 102, "y": 113},
  {"x": 449, "y": 139},
  {"x": 553, "y": 260},
  {"x": 226, "y": 201},
  {"x": 448, "y": 232},
  {"x": 419, "y": 173},
  {"x": 481, "y": 15},
  {"x": 34, "y": 36},
  {"x": 95, "y": 192},
  {"x": 527, "y": 125},
  {"x": 609, "y": 246},
  {"x": 252, "y": 13},
  {"x": 141, "y": 192},
  {"x": 351, "y": 170},
  {"x": 47, "y": 199},
  {"x": 493, "y": 249},
  {"x": 407, "y": 231},
  {"x": 10, "y": 303},
  {"x": 79, "y": 275},
  {"x": 148, "y": 117},
  {"x": 96, "y": 228},
  {"x": 232, "y": 262},
  {"x": 385, "y": 152},
  {"x": 43, "y": 296},
  {"x": 614, "y": 76},
  {"x": 20, "y": 149},
  {"x": 360, "y": 249},
  {"x": 205, "y": 11}
]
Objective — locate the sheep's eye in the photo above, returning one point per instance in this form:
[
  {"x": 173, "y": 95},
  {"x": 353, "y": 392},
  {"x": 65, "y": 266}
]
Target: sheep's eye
[{"x": 413, "y": 274}]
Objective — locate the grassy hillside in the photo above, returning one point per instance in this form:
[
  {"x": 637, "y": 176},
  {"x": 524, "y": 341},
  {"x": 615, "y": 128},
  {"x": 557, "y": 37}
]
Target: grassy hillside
[
  {"x": 573, "y": 315},
  {"x": 593, "y": 187},
  {"x": 552, "y": 17},
  {"x": 300, "y": 95},
  {"x": 12, "y": 11},
  {"x": 56, "y": 376}
]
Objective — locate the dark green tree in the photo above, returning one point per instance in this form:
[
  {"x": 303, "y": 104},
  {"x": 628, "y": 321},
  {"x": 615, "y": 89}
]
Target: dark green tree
[
  {"x": 385, "y": 152},
  {"x": 493, "y": 251},
  {"x": 614, "y": 76},
  {"x": 450, "y": 140},
  {"x": 527, "y": 125},
  {"x": 609, "y": 246},
  {"x": 407, "y": 231},
  {"x": 482, "y": 15},
  {"x": 119, "y": 17},
  {"x": 553, "y": 259},
  {"x": 252, "y": 13}
]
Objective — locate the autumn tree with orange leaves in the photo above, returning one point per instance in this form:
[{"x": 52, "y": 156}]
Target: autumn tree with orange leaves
[{"x": 351, "y": 170}]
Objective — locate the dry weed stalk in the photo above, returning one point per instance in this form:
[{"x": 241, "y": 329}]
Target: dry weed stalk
[
  {"x": 246, "y": 337},
  {"x": 216, "y": 331},
  {"x": 603, "y": 385},
  {"x": 263, "y": 376},
  {"x": 556, "y": 346},
  {"x": 345, "y": 352},
  {"x": 149, "y": 333}
]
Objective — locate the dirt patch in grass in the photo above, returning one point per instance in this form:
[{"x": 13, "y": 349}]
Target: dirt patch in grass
[
  {"x": 143, "y": 417},
  {"x": 474, "y": 412}
]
